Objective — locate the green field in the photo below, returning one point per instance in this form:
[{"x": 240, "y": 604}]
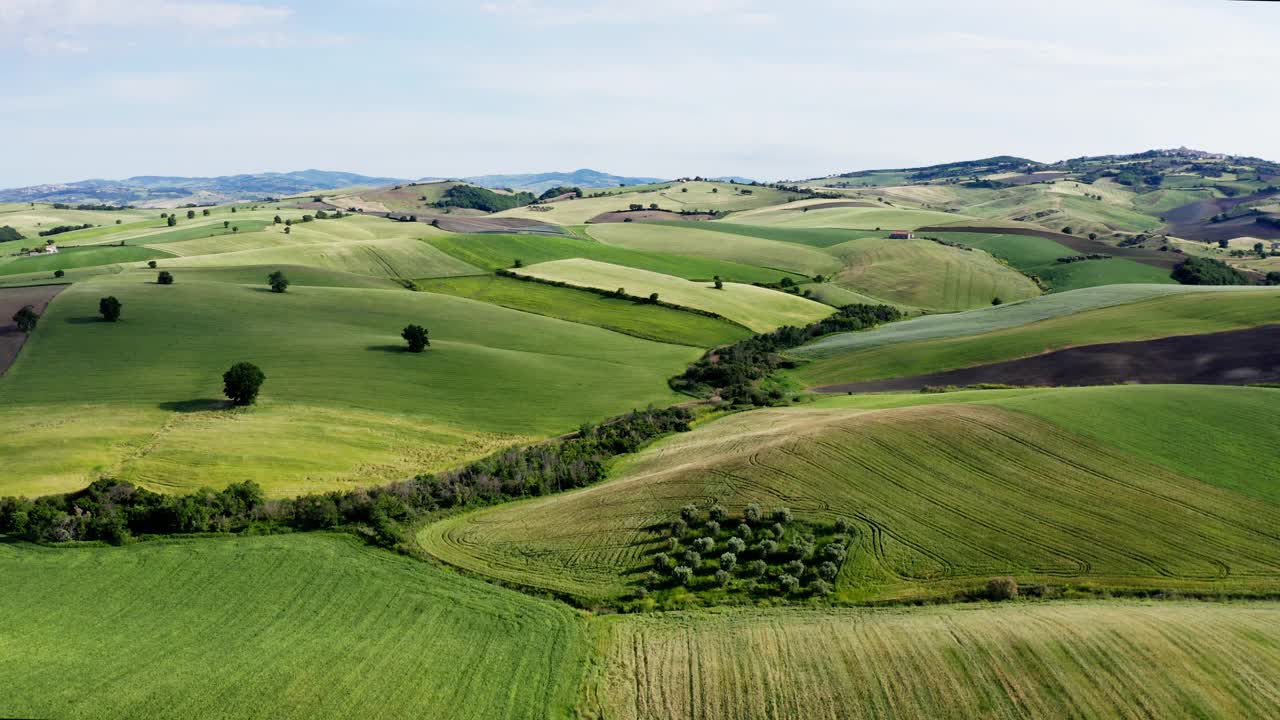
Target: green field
[
  {"x": 294, "y": 626},
  {"x": 701, "y": 197},
  {"x": 760, "y": 309},
  {"x": 813, "y": 237},
  {"x": 652, "y": 322},
  {"x": 1184, "y": 313},
  {"x": 703, "y": 241},
  {"x": 925, "y": 274},
  {"x": 1080, "y": 660},
  {"x": 943, "y": 496},
  {"x": 853, "y": 218},
  {"x": 77, "y": 257},
  {"x": 30, "y": 220},
  {"x": 495, "y": 251},
  {"x": 1039, "y": 256},
  {"x": 343, "y": 404}
]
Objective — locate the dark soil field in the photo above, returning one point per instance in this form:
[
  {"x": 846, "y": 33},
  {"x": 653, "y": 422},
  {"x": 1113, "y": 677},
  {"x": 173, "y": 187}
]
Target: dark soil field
[
  {"x": 618, "y": 216},
  {"x": 1191, "y": 221},
  {"x": 11, "y": 301},
  {"x": 1078, "y": 243},
  {"x": 1237, "y": 357}
]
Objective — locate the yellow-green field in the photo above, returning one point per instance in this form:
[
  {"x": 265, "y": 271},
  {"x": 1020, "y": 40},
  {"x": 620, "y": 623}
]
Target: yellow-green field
[{"x": 701, "y": 197}]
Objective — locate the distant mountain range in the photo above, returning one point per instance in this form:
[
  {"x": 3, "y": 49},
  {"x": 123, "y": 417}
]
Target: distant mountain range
[
  {"x": 162, "y": 191},
  {"x": 537, "y": 183}
]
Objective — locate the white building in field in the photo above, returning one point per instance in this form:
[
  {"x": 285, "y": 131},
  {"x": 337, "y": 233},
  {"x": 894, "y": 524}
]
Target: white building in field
[{"x": 51, "y": 249}]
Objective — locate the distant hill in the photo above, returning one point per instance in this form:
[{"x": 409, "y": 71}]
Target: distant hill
[
  {"x": 156, "y": 190},
  {"x": 536, "y": 183}
]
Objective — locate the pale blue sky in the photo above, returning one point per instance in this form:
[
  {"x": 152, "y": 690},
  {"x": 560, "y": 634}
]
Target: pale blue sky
[{"x": 112, "y": 88}]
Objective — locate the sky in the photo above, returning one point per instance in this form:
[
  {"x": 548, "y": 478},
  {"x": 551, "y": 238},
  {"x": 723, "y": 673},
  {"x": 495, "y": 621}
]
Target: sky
[{"x": 664, "y": 88}]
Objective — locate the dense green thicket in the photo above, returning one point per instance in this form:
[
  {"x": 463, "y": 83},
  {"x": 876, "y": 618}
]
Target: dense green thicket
[
  {"x": 8, "y": 234},
  {"x": 560, "y": 190},
  {"x": 58, "y": 230},
  {"x": 114, "y": 511},
  {"x": 477, "y": 198},
  {"x": 95, "y": 206},
  {"x": 1207, "y": 271},
  {"x": 734, "y": 372}
]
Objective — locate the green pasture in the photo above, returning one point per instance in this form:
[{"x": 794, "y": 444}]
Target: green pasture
[
  {"x": 702, "y": 241},
  {"x": 1039, "y": 256}
]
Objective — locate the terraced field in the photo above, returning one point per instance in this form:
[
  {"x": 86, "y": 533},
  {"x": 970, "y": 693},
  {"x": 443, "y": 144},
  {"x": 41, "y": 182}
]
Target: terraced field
[
  {"x": 842, "y": 359},
  {"x": 295, "y": 626},
  {"x": 1085, "y": 660},
  {"x": 922, "y": 273},
  {"x": 943, "y": 496},
  {"x": 759, "y": 309},
  {"x": 493, "y": 252},
  {"x": 652, "y": 322},
  {"x": 157, "y": 372}
]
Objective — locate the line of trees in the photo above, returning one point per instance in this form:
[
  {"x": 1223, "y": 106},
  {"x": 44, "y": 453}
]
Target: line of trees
[
  {"x": 1207, "y": 271},
  {"x": 734, "y": 372},
  {"x": 115, "y": 511}
]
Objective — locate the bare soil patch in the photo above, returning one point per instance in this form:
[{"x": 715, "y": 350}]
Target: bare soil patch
[
  {"x": 11, "y": 301},
  {"x": 1235, "y": 357},
  {"x": 618, "y": 216},
  {"x": 1191, "y": 221},
  {"x": 1079, "y": 243}
]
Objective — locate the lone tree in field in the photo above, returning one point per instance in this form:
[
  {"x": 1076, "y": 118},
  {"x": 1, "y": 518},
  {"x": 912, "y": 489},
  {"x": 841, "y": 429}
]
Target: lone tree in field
[
  {"x": 227, "y": 223},
  {"x": 416, "y": 336},
  {"x": 278, "y": 282},
  {"x": 165, "y": 278},
  {"x": 277, "y": 220},
  {"x": 241, "y": 383},
  {"x": 26, "y": 319},
  {"x": 173, "y": 220},
  {"x": 191, "y": 214},
  {"x": 109, "y": 307},
  {"x": 151, "y": 264},
  {"x": 59, "y": 273},
  {"x": 719, "y": 283},
  {"x": 653, "y": 297}
]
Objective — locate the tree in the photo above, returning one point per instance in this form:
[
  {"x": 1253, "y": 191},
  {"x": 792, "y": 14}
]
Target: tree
[
  {"x": 1273, "y": 278},
  {"x": 692, "y": 558},
  {"x": 191, "y": 214},
  {"x": 59, "y": 273},
  {"x": 717, "y": 513},
  {"x": 704, "y": 544},
  {"x": 205, "y": 212},
  {"x": 683, "y": 574},
  {"x": 728, "y": 561},
  {"x": 719, "y": 283},
  {"x": 636, "y": 206},
  {"x": 164, "y": 278},
  {"x": 1258, "y": 248},
  {"x": 518, "y": 263},
  {"x": 789, "y": 583},
  {"x": 828, "y": 570},
  {"x": 996, "y": 301},
  {"x": 757, "y": 568},
  {"x": 737, "y": 545},
  {"x": 723, "y": 577},
  {"x": 277, "y": 220},
  {"x": 1224, "y": 243},
  {"x": 662, "y": 562},
  {"x": 653, "y": 297},
  {"x": 689, "y": 513},
  {"x": 416, "y": 336},
  {"x": 753, "y": 513},
  {"x": 26, "y": 319},
  {"x": 151, "y": 264},
  {"x": 821, "y": 587},
  {"x": 653, "y": 206},
  {"x": 109, "y": 308},
  {"x": 1002, "y": 588},
  {"x": 242, "y": 382},
  {"x": 173, "y": 220},
  {"x": 287, "y": 229},
  {"x": 1066, "y": 230},
  {"x": 781, "y": 515},
  {"x": 278, "y": 282},
  {"x": 226, "y": 224}
]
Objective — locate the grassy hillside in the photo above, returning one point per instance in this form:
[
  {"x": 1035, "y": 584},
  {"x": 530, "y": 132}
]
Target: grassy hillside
[
  {"x": 925, "y": 274},
  {"x": 652, "y": 322},
  {"x": 76, "y": 257},
  {"x": 854, "y": 218},
  {"x": 942, "y": 497},
  {"x": 1184, "y": 313},
  {"x": 674, "y": 197},
  {"x": 342, "y": 403},
  {"x": 494, "y": 251},
  {"x": 296, "y": 626},
  {"x": 1039, "y": 256},
  {"x": 30, "y": 220},
  {"x": 702, "y": 241},
  {"x": 813, "y": 237},
  {"x": 1109, "y": 660},
  {"x": 758, "y": 308}
]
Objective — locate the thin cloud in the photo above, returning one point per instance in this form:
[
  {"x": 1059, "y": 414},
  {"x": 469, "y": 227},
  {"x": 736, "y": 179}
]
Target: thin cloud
[{"x": 617, "y": 12}]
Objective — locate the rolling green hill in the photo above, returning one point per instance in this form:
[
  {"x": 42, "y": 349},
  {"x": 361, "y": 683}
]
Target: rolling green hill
[
  {"x": 699, "y": 242},
  {"x": 941, "y": 496},
  {"x": 296, "y": 626},
  {"x": 1039, "y": 256}
]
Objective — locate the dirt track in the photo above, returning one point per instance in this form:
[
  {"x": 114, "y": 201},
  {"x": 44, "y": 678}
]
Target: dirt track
[
  {"x": 11, "y": 301},
  {"x": 1237, "y": 357},
  {"x": 1078, "y": 243}
]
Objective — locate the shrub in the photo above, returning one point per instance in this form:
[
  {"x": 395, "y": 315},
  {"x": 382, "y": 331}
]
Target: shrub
[
  {"x": 737, "y": 545},
  {"x": 683, "y": 574},
  {"x": 416, "y": 337},
  {"x": 109, "y": 308},
  {"x": 242, "y": 382},
  {"x": 757, "y": 568},
  {"x": 26, "y": 319},
  {"x": 59, "y": 273},
  {"x": 835, "y": 552},
  {"x": 842, "y": 525},
  {"x": 662, "y": 562},
  {"x": 278, "y": 282},
  {"x": 653, "y": 297},
  {"x": 781, "y": 515},
  {"x": 691, "y": 558},
  {"x": 768, "y": 547},
  {"x": 1002, "y": 588},
  {"x": 173, "y": 220},
  {"x": 728, "y": 561},
  {"x": 752, "y": 513},
  {"x": 151, "y": 264},
  {"x": 704, "y": 544},
  {"x": 778, "y": 531},
  {"x": 723, "y": 577},
  {"x": 794, "y": 567},
  {"x": 789, "y": 583},
  {"x": 165, "y": 278},
  {"x": 673, "y": 544},
  {"x": 713, "y": 528},
  {"x": 744, "y": 531},
  {"x": 828, "y": 570},
  {"x": 717, "y": 513},
  {"x": 678, "y": 528},
  {"x": 689, "y": 513},
  {"x": 821, "y": 588}
]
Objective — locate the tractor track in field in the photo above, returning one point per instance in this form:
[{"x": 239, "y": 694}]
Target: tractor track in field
[{"x": 1234, "y": 357}]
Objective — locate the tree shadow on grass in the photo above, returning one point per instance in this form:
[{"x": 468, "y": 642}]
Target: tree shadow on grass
[
  {"x": 398, "y": 349},
  {"x": 200, "y": 405},
  {"x": 86, "y": 320}
]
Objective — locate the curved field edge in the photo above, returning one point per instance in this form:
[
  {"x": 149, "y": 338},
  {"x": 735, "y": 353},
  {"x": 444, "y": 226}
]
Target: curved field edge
[
  {"x": 941, "y": 497},
  {"x": 291, "y": 626},
  {"x": 1179, "y": 314},
  {"x": 1102, "y": 660}
]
